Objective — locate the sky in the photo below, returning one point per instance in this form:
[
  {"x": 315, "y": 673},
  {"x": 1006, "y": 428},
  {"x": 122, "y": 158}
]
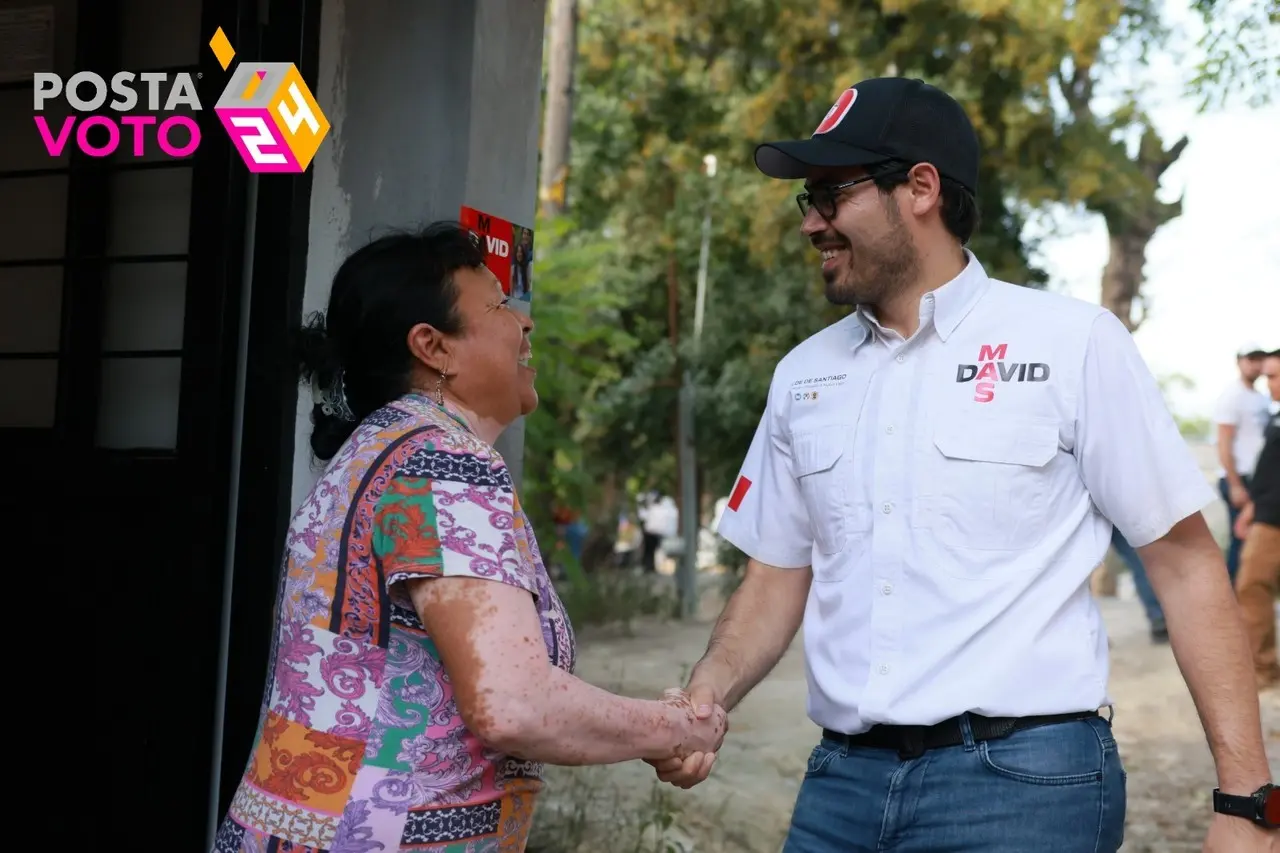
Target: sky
[{"x": 1213, "y": 274}]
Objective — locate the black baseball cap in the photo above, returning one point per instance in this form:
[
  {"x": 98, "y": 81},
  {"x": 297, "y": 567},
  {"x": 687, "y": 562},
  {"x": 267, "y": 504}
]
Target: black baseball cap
[{"x": 885, "y": 118}]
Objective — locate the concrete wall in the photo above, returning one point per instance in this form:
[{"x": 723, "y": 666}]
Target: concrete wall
[{"x": 433, "y": 104}]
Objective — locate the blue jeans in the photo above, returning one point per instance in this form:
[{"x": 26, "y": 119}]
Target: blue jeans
[
  {"x": 1058, "y": 787},
  {"x": 1127, "y": 553},
  {"x": 1233, "y": 549}
]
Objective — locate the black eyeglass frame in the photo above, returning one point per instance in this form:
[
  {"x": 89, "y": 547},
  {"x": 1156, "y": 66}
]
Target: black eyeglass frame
[{"x": 824, "y": 198}]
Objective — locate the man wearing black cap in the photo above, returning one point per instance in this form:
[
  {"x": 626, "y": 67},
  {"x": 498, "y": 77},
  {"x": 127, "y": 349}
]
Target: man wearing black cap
[{"x": 932, "y": 483}]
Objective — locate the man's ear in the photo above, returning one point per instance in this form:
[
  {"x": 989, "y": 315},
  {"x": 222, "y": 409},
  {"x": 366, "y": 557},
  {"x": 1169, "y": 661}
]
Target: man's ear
[
  {"x": 431, "y": 347},
  {"x": 925, "y": 187}
]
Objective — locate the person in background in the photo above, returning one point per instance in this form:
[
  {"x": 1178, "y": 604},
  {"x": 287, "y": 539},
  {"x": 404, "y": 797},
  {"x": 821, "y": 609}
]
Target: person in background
[
  {"x": 650, "y": 540},
  {"x": 422, "y": 664},
  {"x": 1259, "y": 527},
  {"x": 1142, "y": 585},
  {"x": 1240, "y": 414},
  {"x": 661, "y": 521},
  {"x": 575, "y": 534}
]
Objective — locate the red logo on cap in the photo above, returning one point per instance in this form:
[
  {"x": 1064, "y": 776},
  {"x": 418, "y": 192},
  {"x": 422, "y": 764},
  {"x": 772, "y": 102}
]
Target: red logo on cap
[{"x": 838, "y": 111}]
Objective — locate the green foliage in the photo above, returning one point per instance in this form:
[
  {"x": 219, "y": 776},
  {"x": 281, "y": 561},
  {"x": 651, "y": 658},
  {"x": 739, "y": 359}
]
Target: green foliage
[
  {"x": 578, "y": 345},
  {"x": 1241, "y": 52}
]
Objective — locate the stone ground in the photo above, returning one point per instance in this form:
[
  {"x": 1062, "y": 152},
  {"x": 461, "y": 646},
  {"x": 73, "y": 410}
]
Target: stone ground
[{"x": 746, "y": 804}]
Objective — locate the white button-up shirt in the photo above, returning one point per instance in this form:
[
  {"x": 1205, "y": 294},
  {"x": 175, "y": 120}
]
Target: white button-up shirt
[{"x": 953, "y": 492}]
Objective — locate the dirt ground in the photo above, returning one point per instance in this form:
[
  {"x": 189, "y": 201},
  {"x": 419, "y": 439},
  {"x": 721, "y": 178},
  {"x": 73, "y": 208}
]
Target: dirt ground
[{"x": 746, "y": 804}]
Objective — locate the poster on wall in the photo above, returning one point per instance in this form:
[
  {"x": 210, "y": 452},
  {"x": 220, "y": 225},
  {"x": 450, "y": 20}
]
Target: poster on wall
[{"x": 508, "y": 251}]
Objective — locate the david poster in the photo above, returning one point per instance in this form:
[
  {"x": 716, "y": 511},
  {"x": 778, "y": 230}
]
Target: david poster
[{"x": 508, "y": 251}]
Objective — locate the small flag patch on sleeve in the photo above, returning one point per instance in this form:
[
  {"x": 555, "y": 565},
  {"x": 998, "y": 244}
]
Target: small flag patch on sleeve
[{"x": 739, "y": 492}]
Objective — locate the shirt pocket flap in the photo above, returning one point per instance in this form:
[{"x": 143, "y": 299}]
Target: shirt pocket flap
[
  {"x": 1008, "y": 442},
  {"x": 818, "y": 450}
]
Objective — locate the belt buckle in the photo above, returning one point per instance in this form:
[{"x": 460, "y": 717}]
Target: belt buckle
[{"x": 912, "y": 745}]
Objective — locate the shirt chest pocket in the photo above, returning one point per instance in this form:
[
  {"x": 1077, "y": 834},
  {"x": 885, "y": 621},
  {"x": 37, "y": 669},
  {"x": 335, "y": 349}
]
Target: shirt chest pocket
[
  {"x": 990, "y": 483},
  {"x": 822, "y": 465}
]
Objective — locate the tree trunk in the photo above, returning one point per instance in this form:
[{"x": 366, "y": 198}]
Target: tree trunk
[
  {"x": 558, "y": 119},
  {"x": 1122, "y": 277},
  {"x": 1130, "y": 230}
]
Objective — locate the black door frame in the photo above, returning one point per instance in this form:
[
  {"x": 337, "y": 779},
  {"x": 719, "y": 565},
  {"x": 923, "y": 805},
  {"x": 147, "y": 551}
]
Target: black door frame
[
  {"x": 199, "y": 465},
  {"x": 291, "y": 34},
  {"x": 61, "y": 462}
]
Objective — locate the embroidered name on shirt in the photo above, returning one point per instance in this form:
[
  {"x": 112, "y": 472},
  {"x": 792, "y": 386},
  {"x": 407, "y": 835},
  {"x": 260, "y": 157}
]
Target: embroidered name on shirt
[
  {"x": 992, "y": 368},
  {"x": 821, "y": 381},
  {"x": 806, "y": 389}
]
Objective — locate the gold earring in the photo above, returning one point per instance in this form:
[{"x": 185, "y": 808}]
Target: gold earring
[{"x": 440, "y": 391}]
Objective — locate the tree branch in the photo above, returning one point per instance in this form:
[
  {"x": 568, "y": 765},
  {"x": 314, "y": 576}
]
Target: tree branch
[
  {"x": 1077, "y": 91},
  {"x": 1171, "y": 156}
]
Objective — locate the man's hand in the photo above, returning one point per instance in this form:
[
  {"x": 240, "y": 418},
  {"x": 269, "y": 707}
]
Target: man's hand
[
  {"x": 1236, "y": 835},
  {"x": 696, "y": 766},
  {"x": 1243, "y": 521},
  {"x": 1238, "y": 493}
]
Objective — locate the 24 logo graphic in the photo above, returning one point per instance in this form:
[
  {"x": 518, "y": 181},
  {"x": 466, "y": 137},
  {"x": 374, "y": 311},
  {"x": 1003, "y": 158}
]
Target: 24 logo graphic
[{"x": 270, "y": 114}]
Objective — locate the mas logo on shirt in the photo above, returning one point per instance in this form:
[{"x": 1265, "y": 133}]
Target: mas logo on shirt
[{"x": 992, "y": 369}]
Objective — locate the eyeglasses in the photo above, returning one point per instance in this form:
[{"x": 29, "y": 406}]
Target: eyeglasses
[{"x": 823, "y": 199}]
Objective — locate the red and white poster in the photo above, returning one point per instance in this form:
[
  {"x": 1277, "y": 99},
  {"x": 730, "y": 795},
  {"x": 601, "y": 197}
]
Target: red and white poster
[{"x": 508, "y": 251}]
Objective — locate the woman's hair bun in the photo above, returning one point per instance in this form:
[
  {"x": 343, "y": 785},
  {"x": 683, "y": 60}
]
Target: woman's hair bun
[
  {"x": 319, "y": 365},
  {"x": 314, "y": 354}
]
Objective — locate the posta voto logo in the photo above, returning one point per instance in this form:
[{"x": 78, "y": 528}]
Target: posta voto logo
[{"x": 266, "y": 108}]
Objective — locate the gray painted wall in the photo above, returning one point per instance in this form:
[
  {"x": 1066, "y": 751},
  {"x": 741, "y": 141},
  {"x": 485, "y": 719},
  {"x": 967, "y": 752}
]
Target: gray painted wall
[{"x": 433, "y": 104}]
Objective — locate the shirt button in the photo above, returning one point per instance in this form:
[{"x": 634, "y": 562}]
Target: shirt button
[
  {"x": 901, "y": 359},
  {"x": 887, "y": 508},
  {"x": 887, "y": 589},
  {"x": 884, "y": 669},
  {"x": 889, "y": 429}
]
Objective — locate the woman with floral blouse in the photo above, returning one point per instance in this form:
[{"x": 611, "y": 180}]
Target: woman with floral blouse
[{"x": 422, "y": 669}]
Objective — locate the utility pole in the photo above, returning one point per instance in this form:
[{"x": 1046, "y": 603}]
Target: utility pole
[
  {"x": 690, "y": 514},
  {"x": 558, "y": 120}
]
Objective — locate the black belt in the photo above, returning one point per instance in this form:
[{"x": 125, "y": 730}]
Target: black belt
[{"x": 914, "y": 741}]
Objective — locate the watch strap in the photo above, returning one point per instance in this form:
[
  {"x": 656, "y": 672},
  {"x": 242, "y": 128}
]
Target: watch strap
[{"x": 1235, "y": 805}]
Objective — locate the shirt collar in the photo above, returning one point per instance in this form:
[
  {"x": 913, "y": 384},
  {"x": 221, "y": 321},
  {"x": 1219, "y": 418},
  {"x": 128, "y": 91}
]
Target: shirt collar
[
  {"x": 945, "y": 306},
  {"x": 955, "y": 299}
]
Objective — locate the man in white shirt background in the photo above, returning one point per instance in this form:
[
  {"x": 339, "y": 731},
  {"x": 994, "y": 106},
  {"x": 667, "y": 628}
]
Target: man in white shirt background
[
  {"x": 931, "y": 485},
  {"x": 660, "y": 520},
  {"x": 1241, "y": 416}
]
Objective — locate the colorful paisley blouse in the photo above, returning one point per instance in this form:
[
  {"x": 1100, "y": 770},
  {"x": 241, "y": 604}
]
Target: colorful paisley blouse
[{"x": 360, "y": 747}]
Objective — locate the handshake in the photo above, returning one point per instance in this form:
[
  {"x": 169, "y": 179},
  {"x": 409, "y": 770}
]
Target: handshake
[{"x": 700, "y": 724}]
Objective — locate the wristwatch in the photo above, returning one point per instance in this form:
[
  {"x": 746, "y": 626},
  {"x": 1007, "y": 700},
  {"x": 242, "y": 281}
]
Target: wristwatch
[{"x": 1262, "y": 807}]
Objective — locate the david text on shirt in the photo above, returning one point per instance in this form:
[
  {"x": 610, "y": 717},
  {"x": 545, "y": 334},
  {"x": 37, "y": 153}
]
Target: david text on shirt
[{"x": 993, "y": 368}]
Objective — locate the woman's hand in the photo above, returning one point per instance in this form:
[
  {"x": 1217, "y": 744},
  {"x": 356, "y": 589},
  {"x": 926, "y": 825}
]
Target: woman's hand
[{"x": 694, "y": 735}]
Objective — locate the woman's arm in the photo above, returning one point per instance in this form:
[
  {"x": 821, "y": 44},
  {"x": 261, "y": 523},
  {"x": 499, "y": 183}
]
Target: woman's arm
[{"x": 512, "y": 697}]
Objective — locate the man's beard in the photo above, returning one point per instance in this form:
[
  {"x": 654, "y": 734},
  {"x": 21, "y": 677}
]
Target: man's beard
[{"x": 876, "y": 270}]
